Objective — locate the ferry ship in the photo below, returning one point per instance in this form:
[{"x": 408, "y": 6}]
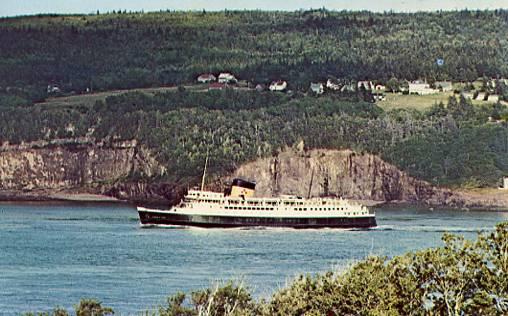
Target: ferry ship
[{"x": 238, "y": 207}]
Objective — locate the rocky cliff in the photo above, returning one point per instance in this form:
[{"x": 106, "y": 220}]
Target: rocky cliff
[
  {"x": 339, "y": 173},
  {"x": 42, "y": 169},
  {"x": 121, "y": 169}
]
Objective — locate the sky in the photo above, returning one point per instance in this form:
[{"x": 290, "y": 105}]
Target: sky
[{"x": 27, "y": 7}]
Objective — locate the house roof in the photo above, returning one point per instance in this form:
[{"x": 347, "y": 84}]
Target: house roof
[{"x": 206, "y": 76}]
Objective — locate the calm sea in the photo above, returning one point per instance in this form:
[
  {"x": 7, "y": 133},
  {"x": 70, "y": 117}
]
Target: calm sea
[{"x": 54, "y": 254}]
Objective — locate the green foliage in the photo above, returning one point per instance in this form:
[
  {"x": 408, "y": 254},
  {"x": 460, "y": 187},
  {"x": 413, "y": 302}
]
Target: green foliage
[
  {"x": 92, "y": 307},
  {"x": 86, "y": 307},
  {"x": 113, "y": 51},
  {"x": 462, "y": 278},
  {"x": 393, "y": 85},
  {"x": 55, "y": 312},
  {"x": 447, "y": 145},
  {"x": 230, "y": 299}
]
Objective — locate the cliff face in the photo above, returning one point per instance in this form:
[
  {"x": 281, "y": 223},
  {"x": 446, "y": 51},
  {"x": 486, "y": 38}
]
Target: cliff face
[
  {"x": 45, "y": 170},
  {"x": 339, "y": 173},
  {"x": 73, "y": 166}
]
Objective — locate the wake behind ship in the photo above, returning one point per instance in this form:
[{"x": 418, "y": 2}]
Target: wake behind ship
[{"x": 239, "y": 208}]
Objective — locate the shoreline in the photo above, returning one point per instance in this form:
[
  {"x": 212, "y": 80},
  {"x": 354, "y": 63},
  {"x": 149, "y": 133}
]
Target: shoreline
[
  {"x": 11, "y": 196},
  {"x": 476, "y": 204}
]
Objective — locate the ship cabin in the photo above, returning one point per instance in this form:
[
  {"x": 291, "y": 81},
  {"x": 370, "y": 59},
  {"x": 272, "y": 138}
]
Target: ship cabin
[{"x": 241, "y": 197}]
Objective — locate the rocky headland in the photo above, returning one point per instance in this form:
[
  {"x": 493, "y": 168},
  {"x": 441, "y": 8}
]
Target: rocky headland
[{"x": 78, "y": 169}]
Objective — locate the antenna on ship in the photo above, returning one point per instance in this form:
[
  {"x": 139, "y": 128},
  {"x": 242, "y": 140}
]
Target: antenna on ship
[{"x": 204, "y": 171}]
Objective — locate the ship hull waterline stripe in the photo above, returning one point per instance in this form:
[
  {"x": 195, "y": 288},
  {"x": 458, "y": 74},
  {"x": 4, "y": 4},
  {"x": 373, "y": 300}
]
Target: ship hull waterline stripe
[{"x": 148, "y": 218}]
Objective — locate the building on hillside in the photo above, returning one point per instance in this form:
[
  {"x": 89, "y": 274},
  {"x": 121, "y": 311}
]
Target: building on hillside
[
  {"x": 492, "y": 83},
  {"x": 348, "y": 88},
  {"x": 333, "y": 85},
  {"x": 468, "y": 95},
  {"x": 53, "y": 89},
  {"x": 480, "y": 96},
  {"x": 279, "y": 85},
  {"x": 380, "y": 88},
  {"x": 206, "y": 78},
  {"x": 317, "y": 87},
  {"x": 260, "y": 87},
  {"x": 216, "y": 86},
  {"x": 226, "y": 77},
  {"x": 505, "y": 183},
  {"x": 422, "y": 88},
  {"x": 493, "y": 98},
  {"x": 444, "y": 86},
  {"x": 366, "y": 84}
]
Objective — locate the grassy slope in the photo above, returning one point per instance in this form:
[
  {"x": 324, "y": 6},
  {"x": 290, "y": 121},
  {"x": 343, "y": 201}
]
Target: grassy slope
[{"x": 419, "y": 102}]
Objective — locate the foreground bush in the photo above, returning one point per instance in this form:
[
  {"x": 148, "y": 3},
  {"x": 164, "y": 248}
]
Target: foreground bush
[
  {"x": 461, "y": 278},
  {"x": 86, "y": 307}
]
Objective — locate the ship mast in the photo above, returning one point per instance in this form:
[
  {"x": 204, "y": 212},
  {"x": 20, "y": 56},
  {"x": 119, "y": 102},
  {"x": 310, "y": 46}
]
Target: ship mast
[
  {"x": 204, "y": 172},
  {"x": 310, "y": 184}
]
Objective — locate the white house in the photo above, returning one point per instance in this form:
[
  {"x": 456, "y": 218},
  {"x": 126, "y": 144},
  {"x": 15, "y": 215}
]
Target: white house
[
  {"x": 480, "y": 96},
  {"x": 366, "y": 84},
  {"x": 421, "y": 88},
  {"x": 333, "y": 85},
  {"x": 53, "y": 89},
  {"x": 317, "y": 88},
  {"x": 206, "y": 78},
  {"x": 380, "y": 88},
  {"x": 278, "y": 85},
  {"x": 348, "y": 88},
  {"x": 226, "y": 77},
  {"x": 505, "y": 183}
]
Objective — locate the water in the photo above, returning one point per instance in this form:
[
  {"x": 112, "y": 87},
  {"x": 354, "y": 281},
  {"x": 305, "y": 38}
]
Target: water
[{"x": 54, "y": 254}]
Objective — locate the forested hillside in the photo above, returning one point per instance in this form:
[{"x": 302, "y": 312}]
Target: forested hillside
[
  {"x": 446, "y": 145},
  {"x": 449, "y": 144},
  {"x": 126, "y": 50}
]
